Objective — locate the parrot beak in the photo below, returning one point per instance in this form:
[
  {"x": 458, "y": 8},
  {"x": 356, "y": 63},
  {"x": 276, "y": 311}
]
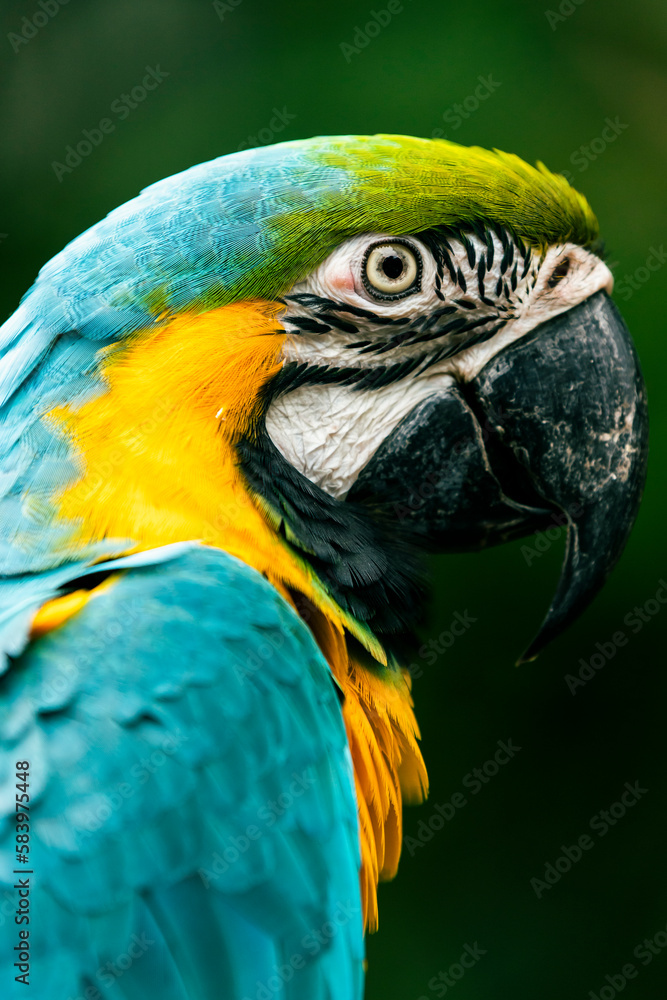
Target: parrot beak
[{"x": 553, "y": 430}]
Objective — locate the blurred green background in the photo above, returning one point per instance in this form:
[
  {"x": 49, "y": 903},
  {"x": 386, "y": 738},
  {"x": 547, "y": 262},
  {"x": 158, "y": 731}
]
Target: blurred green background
[{"x": 554, "y": 75}]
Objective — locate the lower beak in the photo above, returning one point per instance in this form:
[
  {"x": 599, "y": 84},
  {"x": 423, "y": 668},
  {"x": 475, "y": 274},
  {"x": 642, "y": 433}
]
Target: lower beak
[{"x": 555, "y": 426}]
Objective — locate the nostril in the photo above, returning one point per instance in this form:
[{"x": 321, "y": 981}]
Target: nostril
[{"x": 559, "y": 272}]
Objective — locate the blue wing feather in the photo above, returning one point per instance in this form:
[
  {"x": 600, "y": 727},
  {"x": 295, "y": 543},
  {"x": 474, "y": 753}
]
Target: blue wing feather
[
  {"x": 191, "y": 787},
  {"x": 188, "y": 241}
]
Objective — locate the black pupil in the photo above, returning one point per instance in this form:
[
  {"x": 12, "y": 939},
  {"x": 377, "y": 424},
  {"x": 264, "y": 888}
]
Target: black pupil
[{"x": 392, "y": 266}]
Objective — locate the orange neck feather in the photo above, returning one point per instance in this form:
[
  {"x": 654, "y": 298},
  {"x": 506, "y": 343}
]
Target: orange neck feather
[{"x": 159, "y": 465}]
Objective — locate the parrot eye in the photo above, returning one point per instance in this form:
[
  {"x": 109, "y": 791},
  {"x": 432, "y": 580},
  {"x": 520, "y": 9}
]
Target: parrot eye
[{"x": 391, "y": 270}]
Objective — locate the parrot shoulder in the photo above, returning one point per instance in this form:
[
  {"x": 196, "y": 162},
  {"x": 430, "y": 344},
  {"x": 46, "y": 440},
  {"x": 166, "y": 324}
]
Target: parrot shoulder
[{"x": 190, "y": 786}]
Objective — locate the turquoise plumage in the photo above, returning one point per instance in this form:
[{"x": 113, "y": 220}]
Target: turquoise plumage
[
  {"x": 243, "y": 225},
  {"x": 216, "y": 780},
  {"x": 181, "y": 797}
]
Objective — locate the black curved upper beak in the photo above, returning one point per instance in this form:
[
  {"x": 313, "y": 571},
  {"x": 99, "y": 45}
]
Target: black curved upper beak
[{"x": 553, "y": 429}]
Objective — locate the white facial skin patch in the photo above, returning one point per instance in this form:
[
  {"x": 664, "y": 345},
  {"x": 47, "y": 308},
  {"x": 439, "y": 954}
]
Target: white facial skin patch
[
  {"x": 451, "y": 315},
  {"x": 339, "y": 430}
]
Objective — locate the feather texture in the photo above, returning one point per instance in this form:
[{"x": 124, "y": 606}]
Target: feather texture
[
  {"x": 129, "y": 374},
  {"x": 180, "y": 797},
  {"x": 244, "y": 226}
]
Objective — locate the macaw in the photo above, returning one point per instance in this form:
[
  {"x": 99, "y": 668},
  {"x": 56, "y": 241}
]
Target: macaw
[{"x": 233, "y": 415}]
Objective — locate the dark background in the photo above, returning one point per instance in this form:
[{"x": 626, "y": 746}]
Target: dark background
[{"x": 556, "y": 79}]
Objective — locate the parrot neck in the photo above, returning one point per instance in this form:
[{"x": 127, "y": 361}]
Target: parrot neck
[{"x": 159, "y": 455}]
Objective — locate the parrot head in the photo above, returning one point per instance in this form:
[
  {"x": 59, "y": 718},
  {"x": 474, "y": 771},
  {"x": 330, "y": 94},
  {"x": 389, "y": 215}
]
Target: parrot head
[{"x": 329, "y": 356}]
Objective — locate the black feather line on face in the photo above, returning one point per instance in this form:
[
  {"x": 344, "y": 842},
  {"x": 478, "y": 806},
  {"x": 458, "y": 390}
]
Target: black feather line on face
[
  {"x": 457, "y": 330},
  {"x": 502, "y": 235},
  {"x": 338, "y": 323},
  {"x": 326, "y": 313},
  {"x": 526, "y": 264},
  {"x": 293, "y": 375},
  {"x": 490, "y": 248},
  {"x": 507, "y": 258},
  {"x": 368, "y": 563},
  {"x": 469, "y": 249},
  {"x": 308, "y": 325},
  {"x": 316, "y": 301},
  {"x": 461, "y": 281},
  {"x": 449, "y": 266}
]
